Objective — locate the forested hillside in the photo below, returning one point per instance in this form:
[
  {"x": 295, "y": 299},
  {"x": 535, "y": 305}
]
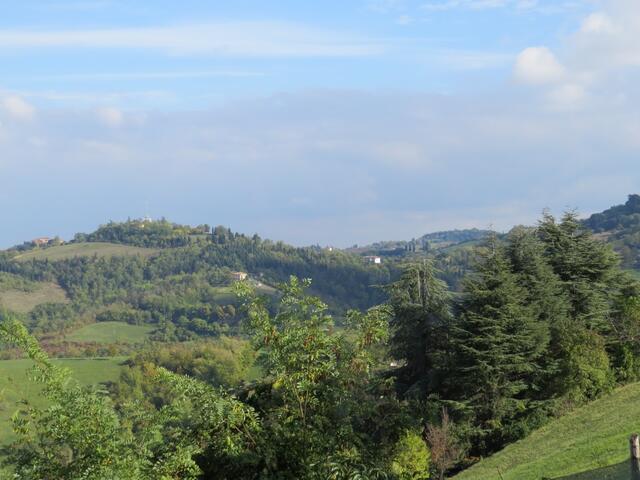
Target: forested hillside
[
  {"x": 620, "y": 226},
  {"x": 178, "y": 281}
]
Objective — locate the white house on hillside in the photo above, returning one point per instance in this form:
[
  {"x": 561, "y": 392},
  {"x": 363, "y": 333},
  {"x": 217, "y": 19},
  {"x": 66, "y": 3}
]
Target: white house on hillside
[
  {"x": 373, "y": 259},
  {"x": 239, "y": 276}
]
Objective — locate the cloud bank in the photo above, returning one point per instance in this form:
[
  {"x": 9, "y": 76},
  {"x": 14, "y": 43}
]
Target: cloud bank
[{"x": 328, "y": 166}]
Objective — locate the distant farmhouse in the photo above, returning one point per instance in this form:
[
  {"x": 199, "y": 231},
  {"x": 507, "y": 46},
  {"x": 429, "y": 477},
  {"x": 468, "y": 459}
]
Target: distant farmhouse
[
  {"x": 46, "y": 242},
  {"x": 41, "y": 241},
  {"x": 373, "y": 259},
  {"x": 238, "y": 276}
]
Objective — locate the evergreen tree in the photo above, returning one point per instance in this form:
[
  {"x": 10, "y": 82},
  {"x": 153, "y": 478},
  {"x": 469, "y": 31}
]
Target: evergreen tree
[
  {"x": 587, "y": 268},
  {"x": 590, "y": 279},
  {"x": 420, "y": 305},
  {"x": 546, "y": 297},
  {"x": 497, "y": 347}
]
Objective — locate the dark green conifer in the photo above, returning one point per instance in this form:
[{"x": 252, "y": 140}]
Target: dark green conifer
[
  {"x": 420, "y": 304},
  {"x": 497, "y": 348}
]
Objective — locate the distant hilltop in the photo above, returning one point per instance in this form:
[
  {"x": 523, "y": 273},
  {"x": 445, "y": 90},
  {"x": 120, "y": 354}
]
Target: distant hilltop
[
  {"x": 619, "y": 217},
  {"x": 427, "y": 242},
  {"x": 456, "y": 236}
]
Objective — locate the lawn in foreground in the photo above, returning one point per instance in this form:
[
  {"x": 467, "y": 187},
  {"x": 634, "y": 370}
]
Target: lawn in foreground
[{"x": 589, "y": 438}]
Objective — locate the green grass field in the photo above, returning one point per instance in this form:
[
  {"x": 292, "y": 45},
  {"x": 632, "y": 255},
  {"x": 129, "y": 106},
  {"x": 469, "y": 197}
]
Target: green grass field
[
  {"x": 15, "y": 385},
  {"x": 24, "y": 301},
  {"x": 590, "y": 438},
  {"x": 225, "y": 295},
  {"x": 88, "y": 249},
  {"x": 111, "y": 332}
]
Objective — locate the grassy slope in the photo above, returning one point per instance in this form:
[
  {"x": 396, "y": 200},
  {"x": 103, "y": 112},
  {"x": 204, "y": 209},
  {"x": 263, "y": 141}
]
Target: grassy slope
[
  {"x": 15, "y": 386},
  {"x": 23, "y": 301},
  {"x": 111, "y": 332},
  {"x": 71, "y": 250},
  {"x": 594, "y": 436}
]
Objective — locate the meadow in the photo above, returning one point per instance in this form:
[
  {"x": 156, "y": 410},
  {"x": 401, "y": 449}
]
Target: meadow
[
  {"x": 111, "y": 332},
  {"x": 88, "y": 249},
  {"x": 22, "y": 301},
  {"x": 589, "y": 439}
]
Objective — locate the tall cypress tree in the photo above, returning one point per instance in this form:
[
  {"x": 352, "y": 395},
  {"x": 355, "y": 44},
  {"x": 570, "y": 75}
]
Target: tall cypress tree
[
  {"x": 420, "y": 304},
  {"x": 497, "y": 348}
]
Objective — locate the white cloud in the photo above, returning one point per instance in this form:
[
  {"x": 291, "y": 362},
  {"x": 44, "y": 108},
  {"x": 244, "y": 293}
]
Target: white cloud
[
  {"x": 596, "y": 65},
  {"x": 608, "y": 39},
  {"x": 569, "y": 95},
  {"x": 538, "y": 66},
  {"x": 111, "y": 117},
  {"x": 597, "y": 22},
  {"x": 240, "y": 39},
  {"x": 17, "y": 107}
]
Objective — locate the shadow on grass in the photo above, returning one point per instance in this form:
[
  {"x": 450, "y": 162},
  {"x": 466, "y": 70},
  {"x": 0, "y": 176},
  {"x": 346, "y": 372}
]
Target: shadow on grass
[{"x": 628, "y": 470}]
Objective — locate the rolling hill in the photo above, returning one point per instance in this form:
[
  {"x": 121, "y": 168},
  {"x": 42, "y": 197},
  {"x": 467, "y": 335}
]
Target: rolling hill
[{"x": 175, "y": 279}]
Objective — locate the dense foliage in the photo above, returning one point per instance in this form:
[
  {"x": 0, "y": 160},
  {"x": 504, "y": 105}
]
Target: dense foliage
[
  {"x": 320, "y": 411},
  {"x": 456, "y": 236},
  {"x": 146, "y": 233},
  {"x": 423, "y": 383},
  {"x": 542, "y": 324}
]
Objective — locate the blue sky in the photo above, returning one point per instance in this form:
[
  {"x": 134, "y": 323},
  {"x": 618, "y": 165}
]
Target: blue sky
[
  {"x": 65, "y": 53},
  {"x": 332, "y": 122}
]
